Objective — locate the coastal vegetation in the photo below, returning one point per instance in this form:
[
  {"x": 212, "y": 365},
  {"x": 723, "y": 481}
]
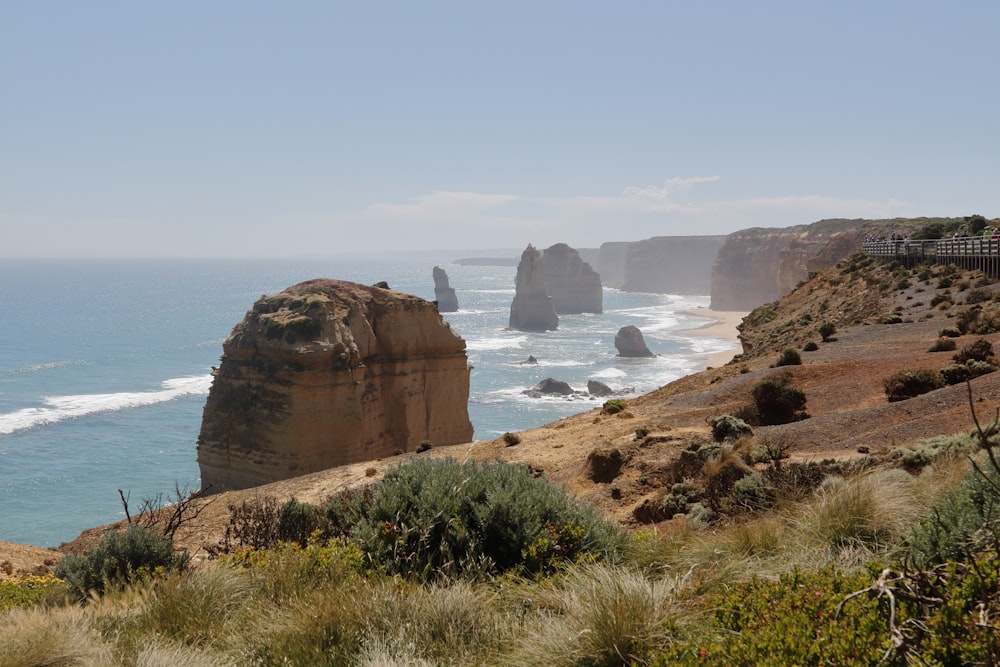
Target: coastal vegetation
[{"x": 752, "y": 552}]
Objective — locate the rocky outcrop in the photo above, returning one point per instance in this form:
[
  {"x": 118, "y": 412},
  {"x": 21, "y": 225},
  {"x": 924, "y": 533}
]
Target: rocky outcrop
[
  {"x": 573, "y": 285},
  {"x": 532, "y": 308},
  {"x": 597, "y": 388},
  {"x": 629, "y": 343},
  {"x": 671, "y": 264},
  {"x": 759, "y": 265},
  {"x": 444, "y": 294},
  {"x": 327, "y": 373}
]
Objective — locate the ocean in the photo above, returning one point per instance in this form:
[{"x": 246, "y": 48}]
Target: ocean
[{"x": 105, "y": 366}]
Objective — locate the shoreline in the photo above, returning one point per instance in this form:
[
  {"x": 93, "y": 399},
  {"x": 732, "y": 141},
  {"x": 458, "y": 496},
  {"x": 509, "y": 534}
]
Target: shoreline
[{"x": 723, "y": 325}]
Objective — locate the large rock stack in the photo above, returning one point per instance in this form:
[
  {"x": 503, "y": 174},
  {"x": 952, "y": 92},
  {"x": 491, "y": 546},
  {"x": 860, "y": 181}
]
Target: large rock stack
[
  {"x": 630, "y": 343},
  {"x": 327, "y": 373},
  {"x": 573, "y": 285},
  {"x": 532, "y": 308},
  {"x": 444, "y": 294}
]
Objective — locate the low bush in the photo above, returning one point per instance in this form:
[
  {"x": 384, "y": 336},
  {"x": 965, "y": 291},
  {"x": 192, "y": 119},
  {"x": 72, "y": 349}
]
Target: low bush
[
  {"x": 297, "y": 521},
  {"x": 958, "y": 373},
  {"x": 979, "y": 350},
  {"x": 789, "y": 357},
  {"x": 811, "y": 346},
  {"x": 28, "y": 591},
  {"x": 117, "y": 559},
  {"x": 826, "y": 331},
  {"x": 902, "y": 385},
  {"x": 613, "y": 406},
  {"x": 753, "y": 492},
  {"x": 728, "y": 427},
  {"x": 777, "y": 402},
  {"x": 433, "y": 518},
  {"x": 950, "y": 332},
  {"x": 943, "y": 344},
  {"x": 511, "y": 439}
]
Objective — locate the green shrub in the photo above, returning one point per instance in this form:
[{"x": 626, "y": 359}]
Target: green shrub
[
  {"x": 961, "y": 524},
  {"x": 902, "y": 385},
  {"x": 117, "y": 559},
  {"x": 826, "y": 330},
  {"x": 811, "y": 346},
  {"x": 641, "y": 433},
  {"x": 28, "y": 591},
  {"x": 511, "y": 439},
  {"x": 433, "y": 518},
  {"x": 943, "y": 344},
  {"x": 613, "y": 406},
  {"x": 776, "y": 402},
  {"x": 950, "y": 332},
  {"x": 789, "y": 357},
  {"x": 424, "y": 446},
  {"x": 297, "y": 521},
  {"x": 790, "y": 621},
  {"x": 728, "y": 427},
  {"x": 958, "y": 373},
  {"x": 979, "y": 350},
  {"x": 753, "y": 492}
]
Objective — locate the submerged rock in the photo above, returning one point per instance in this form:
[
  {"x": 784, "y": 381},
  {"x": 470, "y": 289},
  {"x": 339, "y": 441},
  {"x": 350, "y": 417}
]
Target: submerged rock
[{"x": 327, "y": 373}]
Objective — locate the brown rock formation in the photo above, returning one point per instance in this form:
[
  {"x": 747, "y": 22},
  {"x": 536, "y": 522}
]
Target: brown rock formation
[
  {"x": 327, "y": 373},
  {"x": 532, "y": 308},
  {"x": 629, "y": 343},
  {"x": 573, "y": 285},
  {"x": 444, "y": 294}
]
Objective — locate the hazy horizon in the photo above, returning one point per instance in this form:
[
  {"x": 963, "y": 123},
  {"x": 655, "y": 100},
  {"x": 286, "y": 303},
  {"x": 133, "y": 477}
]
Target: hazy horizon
[{"x": 243, "y": 130}]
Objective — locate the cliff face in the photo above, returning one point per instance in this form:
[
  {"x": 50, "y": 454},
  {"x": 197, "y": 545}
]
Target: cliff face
[
  {"x": 327, "y": 373},
  {"x": 444, "y": 294},
  {"x": 532, "y": 308},
  {"x": 670, "y": 264},
  {"x": 573, "y": 285},
  {"x": 759, "y": 265}
]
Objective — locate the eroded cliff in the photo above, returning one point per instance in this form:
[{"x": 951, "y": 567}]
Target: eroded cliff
[
  {"x": 759, "y": 265},
  {"x": 327, "y": 373},
  {"x": 444, "y": 293},
  {"x": 670, "y": 264}
]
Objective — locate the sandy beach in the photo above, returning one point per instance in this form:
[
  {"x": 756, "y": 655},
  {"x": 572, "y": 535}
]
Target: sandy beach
[{"x": 723, "y": 326}]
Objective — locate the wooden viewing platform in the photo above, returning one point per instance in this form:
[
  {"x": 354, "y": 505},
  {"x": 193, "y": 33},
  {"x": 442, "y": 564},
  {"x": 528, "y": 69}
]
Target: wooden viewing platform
[{"x": 966, "y": 252}]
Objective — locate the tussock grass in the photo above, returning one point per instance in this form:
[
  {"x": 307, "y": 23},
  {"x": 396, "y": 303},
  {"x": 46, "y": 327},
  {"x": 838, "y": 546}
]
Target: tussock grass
[
  {"x": 600, "y": 615},
  {"x": 35, "y": 637}
]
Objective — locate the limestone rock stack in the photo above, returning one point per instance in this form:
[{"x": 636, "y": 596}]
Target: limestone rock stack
[
  {"x": 327, "y": 373},
  {"x": 573, "y": 285},
  {"x": 629, "y": 343},
  {"x": 444, "y": 294},
  {"x": 532, "y": 308}
]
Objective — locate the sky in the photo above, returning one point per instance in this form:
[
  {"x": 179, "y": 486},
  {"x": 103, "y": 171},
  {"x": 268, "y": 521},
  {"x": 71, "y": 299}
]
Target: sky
[{"x": 245, "y": 129}]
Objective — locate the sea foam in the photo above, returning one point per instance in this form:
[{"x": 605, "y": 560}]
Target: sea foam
[{"x": 60, "y": 408}]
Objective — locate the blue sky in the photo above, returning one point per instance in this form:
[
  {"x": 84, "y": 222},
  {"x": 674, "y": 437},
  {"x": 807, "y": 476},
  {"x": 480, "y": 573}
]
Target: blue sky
[{"x": 290, "y": 129}]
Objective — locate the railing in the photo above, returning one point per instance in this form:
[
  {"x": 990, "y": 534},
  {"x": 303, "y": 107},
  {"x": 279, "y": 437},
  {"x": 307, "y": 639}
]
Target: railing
[{"x": 970, "y": 252}]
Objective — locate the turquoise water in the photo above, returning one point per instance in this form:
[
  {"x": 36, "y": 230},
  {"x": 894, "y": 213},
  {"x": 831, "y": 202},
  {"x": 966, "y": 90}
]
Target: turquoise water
[{"x": 104, "y": 368}]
